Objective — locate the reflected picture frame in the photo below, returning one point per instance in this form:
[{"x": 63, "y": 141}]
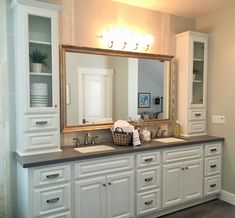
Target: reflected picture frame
[{"x": 144, "y": 100}]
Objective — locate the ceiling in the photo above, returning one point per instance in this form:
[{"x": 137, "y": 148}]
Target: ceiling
[{"x": 185, "y": 8}]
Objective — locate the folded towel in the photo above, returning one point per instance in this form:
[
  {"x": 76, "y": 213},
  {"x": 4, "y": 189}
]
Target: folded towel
[{"x": 136, "y": 138}]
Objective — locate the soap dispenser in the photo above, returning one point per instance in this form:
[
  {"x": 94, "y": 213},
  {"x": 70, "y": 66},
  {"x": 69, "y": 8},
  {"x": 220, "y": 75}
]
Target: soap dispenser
[{"x": 176, "y": 129}]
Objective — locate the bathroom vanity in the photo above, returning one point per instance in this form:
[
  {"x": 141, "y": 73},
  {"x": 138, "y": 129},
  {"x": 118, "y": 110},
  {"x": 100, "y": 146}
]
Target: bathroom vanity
[{"x": 145, "y": 181}]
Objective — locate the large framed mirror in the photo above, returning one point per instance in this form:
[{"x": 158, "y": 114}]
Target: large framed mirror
[{"x": 100, "y": 86}]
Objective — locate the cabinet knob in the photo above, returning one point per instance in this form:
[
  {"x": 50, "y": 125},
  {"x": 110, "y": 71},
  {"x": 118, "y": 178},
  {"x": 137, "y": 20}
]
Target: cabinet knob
[
  {"x": 148, "y": 202},
  {"x": 213, "y": 149},
  {"x": 55, "y": 105},
  {"x": 52, "y": 176},
  {"x": 213, "y": 185},
  {"x": 52, "y": 201},
  {"x": 148, "y": 159},
  {"x": 182, "y": 168},
  {"x": 104, "y": 184},
  {"x": 148, "y": 179},
  {"x": 186, "y": 168},
  {"x": 213, "y": 166},
  {"x": 110, "y": 183}
]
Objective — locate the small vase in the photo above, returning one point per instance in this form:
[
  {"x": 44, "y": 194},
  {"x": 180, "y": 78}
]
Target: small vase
[{"x": 36, "y": 67}]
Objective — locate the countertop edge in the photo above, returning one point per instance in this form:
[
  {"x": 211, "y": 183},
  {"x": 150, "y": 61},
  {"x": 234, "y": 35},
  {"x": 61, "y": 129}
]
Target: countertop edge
[{"x": 56, "y": 158}]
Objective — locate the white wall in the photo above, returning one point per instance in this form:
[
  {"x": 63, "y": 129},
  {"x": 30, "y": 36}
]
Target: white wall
[
  {"x": 221, "y": 85},
  {"x": 7, "y": 114}
]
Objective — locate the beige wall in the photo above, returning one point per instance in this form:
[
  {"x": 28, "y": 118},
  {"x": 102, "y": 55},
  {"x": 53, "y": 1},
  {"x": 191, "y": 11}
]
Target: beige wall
[
  {"x": 221, "y": 85},
  {"x": 82, "y": 22}
]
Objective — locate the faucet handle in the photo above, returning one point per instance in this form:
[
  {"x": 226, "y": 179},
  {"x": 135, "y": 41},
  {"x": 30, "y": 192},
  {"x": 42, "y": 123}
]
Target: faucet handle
[
  {"x": 93, "y": 139},
  {"x": 77, "y": 141}
]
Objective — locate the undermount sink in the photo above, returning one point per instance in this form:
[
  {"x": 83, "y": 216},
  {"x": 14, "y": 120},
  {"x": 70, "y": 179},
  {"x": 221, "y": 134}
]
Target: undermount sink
[
  {"x": 94, "y": 148},
  {"x": 169, "y": 140}
]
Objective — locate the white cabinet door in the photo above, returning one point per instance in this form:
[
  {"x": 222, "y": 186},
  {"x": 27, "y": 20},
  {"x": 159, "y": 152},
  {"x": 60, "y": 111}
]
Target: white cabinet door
[
  {"x": 193, "y": 179},
  {"x": 120, "y": 195},
  {"x": 90, "y": 198},
  {"x": 173, "y": 187}
]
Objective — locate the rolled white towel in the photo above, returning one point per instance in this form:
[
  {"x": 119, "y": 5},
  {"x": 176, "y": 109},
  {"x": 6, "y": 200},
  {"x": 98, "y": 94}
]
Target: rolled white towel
[
  {"x": 124, "y": 125},
  {"x": 136, "y": 138}
]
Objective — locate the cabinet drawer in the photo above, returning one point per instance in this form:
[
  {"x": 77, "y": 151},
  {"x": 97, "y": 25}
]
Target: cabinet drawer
[
  {"x": 41, "y": 123},
  {"x": 51, "y": 200},
  {"x": 103, "y": 165},
  {"x": 51, "y": 175},
  {"x": 184, "y": 153},
  {"x": 213, "y": 149},
  {"x": 212, "y": 185},
  {"x": 147, "y": 159},
  {"x": 197, "y": 126},
  {"x": 197, "y": 114},
  {"x": 42, "y": 141},
  {"x": 148, "y": 178},
  {"x": 212, "y": 166},
  {"x": 148, "y": 202}
]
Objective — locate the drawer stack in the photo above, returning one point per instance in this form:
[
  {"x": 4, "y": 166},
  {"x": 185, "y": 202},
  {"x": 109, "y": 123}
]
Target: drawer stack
[
  {"x": 212, "y": 168},
  {"x": 197, "y": 121},
  {"x": 148, "y": 182},
  {"x": 51, "y": 191}
]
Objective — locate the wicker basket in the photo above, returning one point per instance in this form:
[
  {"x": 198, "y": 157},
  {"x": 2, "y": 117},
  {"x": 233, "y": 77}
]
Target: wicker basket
[{"x": 121, "y": 138}]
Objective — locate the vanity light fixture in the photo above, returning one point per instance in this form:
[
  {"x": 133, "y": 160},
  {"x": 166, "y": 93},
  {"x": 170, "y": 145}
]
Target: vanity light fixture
[{"x": 120, "y": 38}]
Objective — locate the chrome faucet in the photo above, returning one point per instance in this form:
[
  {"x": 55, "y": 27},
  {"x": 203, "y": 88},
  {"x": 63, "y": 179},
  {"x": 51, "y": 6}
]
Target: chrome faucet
[
  {"x": 77, "y": 141},
  {"x": 87, "y": 136}
]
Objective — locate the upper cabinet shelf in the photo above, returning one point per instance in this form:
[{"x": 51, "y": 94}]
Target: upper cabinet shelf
[{"x": 40, "y": 42}]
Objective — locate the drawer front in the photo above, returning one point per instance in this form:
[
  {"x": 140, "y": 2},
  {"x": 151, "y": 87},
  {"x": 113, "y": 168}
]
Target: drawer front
[
  {"x": 148, "y": 202},
  {"x": 58, "y": 215},
  {"x": 213, "y": 149},
  {"x": 212, "y": 166},
  {"x": 197, "y": 114},
  {"x": 212, "y": 185},
  {"x": 103, "y": 165},
  {"x": 51, "y": 200},
  {"x": 179, "y": 154},
  {"x": 42, "y": 141},
  {"x": 51, "y": 175},
  {"x": 147, "y": 159},
  {"x": 41, "y": 123},
  {"x": 148, "y": 179},
  {"x": 197, "y": 126}
]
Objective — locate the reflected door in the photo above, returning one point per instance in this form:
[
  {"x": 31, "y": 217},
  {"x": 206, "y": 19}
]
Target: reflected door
[{"x": 95, "y": 95}]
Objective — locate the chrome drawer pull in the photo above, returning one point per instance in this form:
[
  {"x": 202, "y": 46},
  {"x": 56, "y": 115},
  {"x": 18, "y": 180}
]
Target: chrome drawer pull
[
  {"x": 148, "y": 202},
  {"x": 213, "y": 166},
  {"x": 53, "y": 176},
  {"x": 198, "y": 115},
  {"x": 213, "y": 149},
  {"x": 52, "y": 201},
  {"x": 213, "y": 185},
  {"x": 148, "y": 179},
  {"x": 41, "y": 123},
  {"x": 148, "y": 159}
]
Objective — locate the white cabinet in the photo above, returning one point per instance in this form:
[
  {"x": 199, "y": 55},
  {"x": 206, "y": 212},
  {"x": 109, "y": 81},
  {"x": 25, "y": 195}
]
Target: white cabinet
[
  {"x": 100, "y": 193},
  {"x": 212, "y": 168},
  {"x": 182, "y": 180},
  {"x": 37, "y": 88},
  {"x": 192, "y": 58},
  {"x": 148, "y": 182},
  {"x": 44, "y": 191}
]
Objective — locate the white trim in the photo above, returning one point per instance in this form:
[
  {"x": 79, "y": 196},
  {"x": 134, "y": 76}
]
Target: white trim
[{"x": 227, "y": 197}]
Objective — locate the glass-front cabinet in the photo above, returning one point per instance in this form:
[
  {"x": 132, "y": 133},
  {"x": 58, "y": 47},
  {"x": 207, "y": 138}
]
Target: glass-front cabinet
[
  {"x": 36, "y": 76},
  {"x": 191, "y": 56},
  {"x": 198, "y": 72}
]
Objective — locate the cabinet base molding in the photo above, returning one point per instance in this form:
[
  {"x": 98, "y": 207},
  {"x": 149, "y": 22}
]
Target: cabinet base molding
[
  {"x": 227, "y": 197},
  {"x": 180, "y": 207}
]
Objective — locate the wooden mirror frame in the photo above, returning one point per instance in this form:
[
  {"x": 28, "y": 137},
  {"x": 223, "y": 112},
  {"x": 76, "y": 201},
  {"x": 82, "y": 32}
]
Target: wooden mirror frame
[{"x": 97, "y": 51}]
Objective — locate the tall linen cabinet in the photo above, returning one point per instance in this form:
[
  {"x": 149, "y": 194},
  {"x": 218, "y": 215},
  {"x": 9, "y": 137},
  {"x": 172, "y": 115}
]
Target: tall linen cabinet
[
  {"x": 192, "y": 63},
  {"x": 37, "y": 88}
]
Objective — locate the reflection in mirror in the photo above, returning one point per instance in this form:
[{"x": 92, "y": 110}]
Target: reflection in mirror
[{"x": 99, "y": 87}]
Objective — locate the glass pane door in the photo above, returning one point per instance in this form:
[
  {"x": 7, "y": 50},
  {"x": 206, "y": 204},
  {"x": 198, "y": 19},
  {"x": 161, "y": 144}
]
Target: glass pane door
[
  {"x": 198, "y": 73},
  {"x": 40, "y": 61}
]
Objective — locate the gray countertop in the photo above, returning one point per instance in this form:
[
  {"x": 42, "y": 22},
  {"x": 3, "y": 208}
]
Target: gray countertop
[{"x": 69, "y": 154}]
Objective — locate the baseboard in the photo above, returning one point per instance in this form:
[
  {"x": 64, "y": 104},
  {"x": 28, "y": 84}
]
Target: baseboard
[{"x": 227, "y": 197}]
